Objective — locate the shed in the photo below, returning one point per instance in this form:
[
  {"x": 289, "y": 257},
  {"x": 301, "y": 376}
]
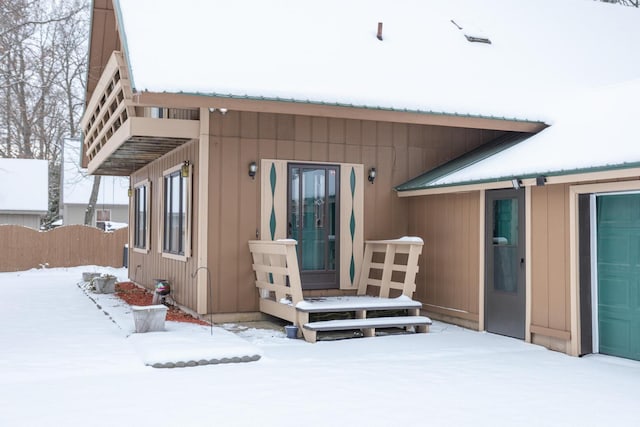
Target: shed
[{"x": 24, "y": 191}]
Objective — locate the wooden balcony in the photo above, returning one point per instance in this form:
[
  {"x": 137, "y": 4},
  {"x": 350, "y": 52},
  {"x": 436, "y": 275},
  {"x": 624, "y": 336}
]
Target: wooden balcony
[{"x": 120, "y": 136}]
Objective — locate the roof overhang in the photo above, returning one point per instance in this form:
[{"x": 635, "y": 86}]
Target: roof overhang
[
  {"x": 344, "y": 111},
  {"x": 604, "y": 173},
  {"x": 120, "y": 136}
]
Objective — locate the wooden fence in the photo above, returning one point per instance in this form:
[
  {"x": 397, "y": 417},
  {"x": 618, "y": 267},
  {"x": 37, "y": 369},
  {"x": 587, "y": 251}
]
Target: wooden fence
[{"x": 23, "y": 248}]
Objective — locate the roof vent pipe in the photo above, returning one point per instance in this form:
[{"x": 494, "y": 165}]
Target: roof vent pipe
[{"x": 379, "y": 35}]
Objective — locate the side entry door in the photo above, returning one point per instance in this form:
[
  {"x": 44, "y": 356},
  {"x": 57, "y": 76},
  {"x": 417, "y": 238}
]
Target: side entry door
[{"x": 505, "y": 263}]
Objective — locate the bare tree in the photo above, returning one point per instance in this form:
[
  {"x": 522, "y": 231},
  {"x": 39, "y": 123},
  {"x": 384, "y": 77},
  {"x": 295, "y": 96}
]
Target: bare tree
[
  {"x": 93, "y": 199},
  {"x": 43, "y": 48},
  {"x": 633, "y": 3}
]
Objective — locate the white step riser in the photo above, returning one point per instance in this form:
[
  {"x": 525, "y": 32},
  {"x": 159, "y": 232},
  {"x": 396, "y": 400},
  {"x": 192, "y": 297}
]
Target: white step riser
[{"x": 379, "y": 322}]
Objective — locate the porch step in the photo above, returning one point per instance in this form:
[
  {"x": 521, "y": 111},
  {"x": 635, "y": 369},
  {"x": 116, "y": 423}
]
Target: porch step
[
  {"x": 356, "y": 303},
  {"x": 372, "y": 323}
]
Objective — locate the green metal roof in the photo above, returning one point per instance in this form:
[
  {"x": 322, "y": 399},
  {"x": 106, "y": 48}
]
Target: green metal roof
[{"x": 470, "y": 158}]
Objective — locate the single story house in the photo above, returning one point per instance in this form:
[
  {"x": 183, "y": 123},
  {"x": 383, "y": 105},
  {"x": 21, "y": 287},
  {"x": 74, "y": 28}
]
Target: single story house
[
  {"x": 112, "y": 203},
  {"x": 24, "y": 192},
  {"x": 336, "y": 122}
]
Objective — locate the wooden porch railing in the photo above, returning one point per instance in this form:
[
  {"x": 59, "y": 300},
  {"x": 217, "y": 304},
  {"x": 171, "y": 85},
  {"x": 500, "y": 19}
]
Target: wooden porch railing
[
  {"x": 396, "y": 264},
  {"x": 277, "y": 277},
  {"x": 389, "y": 265}
]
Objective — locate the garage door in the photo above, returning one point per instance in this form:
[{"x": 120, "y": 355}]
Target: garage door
[{"x": 618, "y": 222}]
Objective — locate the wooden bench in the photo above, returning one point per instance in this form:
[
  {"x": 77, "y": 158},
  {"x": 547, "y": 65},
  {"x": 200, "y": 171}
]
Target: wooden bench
[{"x": 389, "y": 266}]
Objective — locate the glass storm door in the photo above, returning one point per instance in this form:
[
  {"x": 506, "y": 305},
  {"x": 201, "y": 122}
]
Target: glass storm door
[
  {"x": 312, "y": 217},
  {"x": 504, "y": 257}
]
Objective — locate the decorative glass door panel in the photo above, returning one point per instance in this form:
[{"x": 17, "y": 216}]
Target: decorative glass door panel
[{"x": 313, "y": 216}]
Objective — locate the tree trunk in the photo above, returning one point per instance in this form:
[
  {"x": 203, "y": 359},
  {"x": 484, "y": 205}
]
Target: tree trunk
[{"x": 91, "y": 207}]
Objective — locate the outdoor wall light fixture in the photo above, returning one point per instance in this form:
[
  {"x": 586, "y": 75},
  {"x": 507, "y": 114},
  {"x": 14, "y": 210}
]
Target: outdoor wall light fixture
[
  {"x": 372, "y": 175},
  {"x": 516, "y": 183},
  {"x": 222, "y": 111},
  {"x": 184, "y": 170},
  {"x": 541, "y": 180},
  {"x": 253, "y": 168},
  {"x": 130, "y": 192}
]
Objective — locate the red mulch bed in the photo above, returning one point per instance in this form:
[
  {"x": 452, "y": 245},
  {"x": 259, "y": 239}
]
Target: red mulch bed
[{"x": 135, "y": 295}]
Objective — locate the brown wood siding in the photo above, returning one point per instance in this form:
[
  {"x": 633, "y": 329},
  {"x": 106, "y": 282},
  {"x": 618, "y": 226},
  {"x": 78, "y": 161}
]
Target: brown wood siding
[
  {"x": 144, "y": 268},
  {"x": 449, "y": 265},
  {"x": 104, "y": 40},
  {"x": 398, "y": 152},
  {"x": 69, "y": 246},
  {"x": 550, "y": 257}
]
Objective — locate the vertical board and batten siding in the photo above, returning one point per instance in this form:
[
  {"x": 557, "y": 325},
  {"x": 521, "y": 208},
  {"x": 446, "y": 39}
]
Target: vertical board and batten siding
[
  {"x": 397, "y": 151},
  {"x": 103, "y": 41},
  {"x": 103, "y": 22},
  {"x": 69, "y": 246},
  {"x": 144, "y": 268},
  {"x": 550, "y": 246},
  {"x": 447, "y": 283}
]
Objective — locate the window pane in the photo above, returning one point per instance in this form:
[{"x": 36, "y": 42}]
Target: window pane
[
  {"x": 313, "y": 219},
  {"x": 167, "y": 213},
  {"x": 140, "y": 220},
  {"x": 294, "y": 205},
  {"x": 103, "y": 215},
  {"x": 143, "y": 217},
  {"x": 505, "y": 222},
  {"x": 183, "y": 214},
  {"x": 505, "y": 245},
  {"x": 175, "y": 213},
  {"x": 331, "y": 220}
]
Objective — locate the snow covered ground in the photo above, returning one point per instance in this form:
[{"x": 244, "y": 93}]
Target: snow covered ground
[{"x": 64, "y": 362}]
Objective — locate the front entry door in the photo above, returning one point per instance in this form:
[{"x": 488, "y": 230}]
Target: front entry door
[
  {"x": 313, "y": 220},
  {"x": 505, "y": 258}
]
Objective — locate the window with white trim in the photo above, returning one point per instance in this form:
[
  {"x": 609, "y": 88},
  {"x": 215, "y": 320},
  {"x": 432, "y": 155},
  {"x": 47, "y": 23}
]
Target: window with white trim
[
  {"x": 102, "y": 216},
  {"x": 141, "y": 204},
  {"x": 175, "y": 216}
]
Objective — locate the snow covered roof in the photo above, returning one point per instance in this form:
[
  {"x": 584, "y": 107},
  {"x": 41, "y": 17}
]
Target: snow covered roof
[
  {"x": 466, "y": 160},
  {"x": 327, "y": 51},
  {"x": 597, "y": 130},
  {"x": 24, "y": 186},
  {"x": 78, "y": 183}
]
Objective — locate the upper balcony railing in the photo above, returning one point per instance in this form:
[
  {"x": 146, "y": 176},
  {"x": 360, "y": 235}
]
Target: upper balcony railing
[
  {"x": 109, "y": 107},
  {"x": 120, "y": 135}
]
